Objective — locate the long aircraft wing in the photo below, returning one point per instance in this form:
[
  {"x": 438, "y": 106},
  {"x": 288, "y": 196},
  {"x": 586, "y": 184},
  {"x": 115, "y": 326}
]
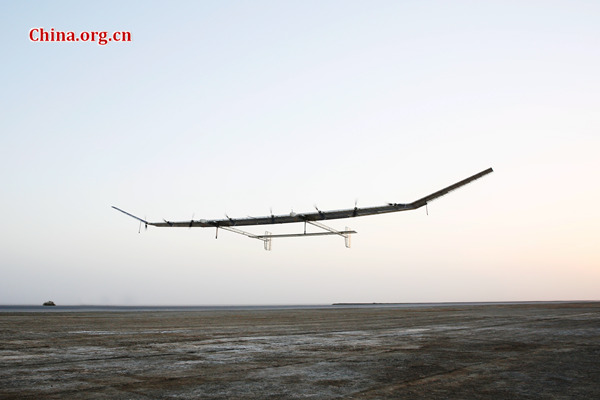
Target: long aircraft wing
[{"x": 312, "y": 216}]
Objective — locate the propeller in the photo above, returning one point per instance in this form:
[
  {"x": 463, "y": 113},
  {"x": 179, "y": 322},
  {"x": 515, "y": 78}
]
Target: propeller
[
  {"x": 317, "y": 208},
  {"x": 355, "y": 207},
  {"x": 192, "y": 220},
  {"x": 145, "y": 226}
]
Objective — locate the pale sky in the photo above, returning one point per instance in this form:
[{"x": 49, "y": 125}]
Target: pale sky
[{"x": 238, "y": 107}]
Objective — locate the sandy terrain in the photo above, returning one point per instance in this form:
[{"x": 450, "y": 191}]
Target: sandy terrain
[{"x": 549, "y": 351}]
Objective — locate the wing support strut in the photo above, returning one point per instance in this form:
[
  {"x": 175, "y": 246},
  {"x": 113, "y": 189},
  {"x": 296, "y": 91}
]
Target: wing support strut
[
  {"x": 268, "y": 236},
  {"x": 345, "y": 234}
]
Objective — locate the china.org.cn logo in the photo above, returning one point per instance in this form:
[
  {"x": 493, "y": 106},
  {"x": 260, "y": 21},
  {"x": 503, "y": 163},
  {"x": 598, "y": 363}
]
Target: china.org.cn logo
[{"x": 101, "y": 37}]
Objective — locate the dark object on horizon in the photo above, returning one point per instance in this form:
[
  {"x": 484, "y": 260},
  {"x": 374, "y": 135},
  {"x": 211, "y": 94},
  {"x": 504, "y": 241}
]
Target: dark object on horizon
[{"x": 49, "y": 303}]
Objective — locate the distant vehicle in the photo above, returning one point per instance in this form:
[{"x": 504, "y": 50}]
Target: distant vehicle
[
  {"x": 312, "y": 218},
  {"x": 49, "y": 303}
]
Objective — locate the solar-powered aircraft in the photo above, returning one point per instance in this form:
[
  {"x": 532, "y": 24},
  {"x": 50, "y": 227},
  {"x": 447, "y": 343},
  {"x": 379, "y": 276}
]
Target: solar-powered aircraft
[{"x": 311, "y": 218}]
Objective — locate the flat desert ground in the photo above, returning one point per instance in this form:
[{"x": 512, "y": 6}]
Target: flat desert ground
[{"x": 500, "y": 351}]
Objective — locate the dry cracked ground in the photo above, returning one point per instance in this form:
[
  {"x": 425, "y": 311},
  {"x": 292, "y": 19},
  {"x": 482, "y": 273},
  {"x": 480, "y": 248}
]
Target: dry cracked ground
[{"x": 527, "y": 351}]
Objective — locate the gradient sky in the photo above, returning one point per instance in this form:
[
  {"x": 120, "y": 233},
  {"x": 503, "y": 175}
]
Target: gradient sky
[{"x": 241, "y": 106}]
